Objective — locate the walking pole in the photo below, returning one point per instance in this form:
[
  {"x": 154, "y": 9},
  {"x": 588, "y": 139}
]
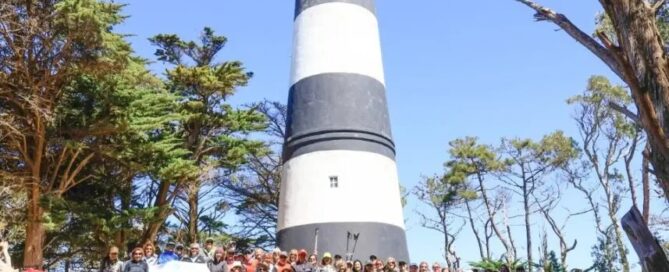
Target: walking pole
[
  {"x": 355, "y": 243},
  {"x": 316, "y": 242},
  {"x": 348, "y": 238}
]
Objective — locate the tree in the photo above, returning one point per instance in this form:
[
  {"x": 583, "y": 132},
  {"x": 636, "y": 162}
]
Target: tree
[
  {"x": 215, "y": 133},
  {"x": 528, "y": 163},
  {"x": 254, "y": 192},
  {"x": 636, "y": 54},
  {"x": 442, "y": 194},
  {"x": 474, "y": 161},
  {"x": 608, "y": 138},
  {"x": 53, "y": 54}
]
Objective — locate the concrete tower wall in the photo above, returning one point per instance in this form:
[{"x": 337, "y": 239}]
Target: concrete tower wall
[{"x": 339, "y": 173}]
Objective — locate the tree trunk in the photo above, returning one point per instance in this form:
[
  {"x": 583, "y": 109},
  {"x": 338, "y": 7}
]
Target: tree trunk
[
  {"x": 35, "y": 233},
  {"x": 651, "y": 254},
  {"x": 474, "y": 230},
  {"x": 528, "y": 231},
  {"x": 164, "y": 209},
  {"x": 193, "y": 217}
]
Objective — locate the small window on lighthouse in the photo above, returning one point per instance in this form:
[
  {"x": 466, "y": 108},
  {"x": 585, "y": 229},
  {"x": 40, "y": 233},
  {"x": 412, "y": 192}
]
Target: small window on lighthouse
[{"x": 334, "y": 182}]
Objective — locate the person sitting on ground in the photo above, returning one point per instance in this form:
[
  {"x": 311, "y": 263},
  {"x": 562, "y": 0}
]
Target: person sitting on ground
[
  {"x": 218, "y": 264},
  {"x": 326, "y": 263},
  {"x": 112, "y": 263},
  {"x": 136, "y": 262},
  {"x": 168, "y": 255},
  {"x": 195, "y": 256},
  {"x": 150, "y": 254}
]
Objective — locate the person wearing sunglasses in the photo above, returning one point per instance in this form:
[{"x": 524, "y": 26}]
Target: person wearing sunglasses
[
  {"x": 195, "y": 256},
  {"x": 112, "y": 263}
]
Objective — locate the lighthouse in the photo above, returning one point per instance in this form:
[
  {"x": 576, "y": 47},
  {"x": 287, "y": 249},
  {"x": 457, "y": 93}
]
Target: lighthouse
[{"x": 340, "y": 191}]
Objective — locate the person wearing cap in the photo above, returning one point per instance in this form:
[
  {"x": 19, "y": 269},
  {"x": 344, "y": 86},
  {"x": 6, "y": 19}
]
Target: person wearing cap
[
  {"x": 195, "y": 256},
  {"x": 372, "y": 259},
  {"x": 282, "y": 265},
  {"x": 218, "y": 264},
  {"x": 413, "y": 267},
  {"x": 136, "y": 262},
  {"x": 237, "y": 267},
  {"x": 209, "y": 249},
  {"x": 326, "y": 263},
  {"x": 179, "y": 251},
  {"x": 168, "y": 255},
  {"x": 112, "y": 263}
]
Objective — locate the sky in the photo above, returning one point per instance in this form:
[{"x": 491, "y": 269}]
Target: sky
[{"x": 453, "y": 69}]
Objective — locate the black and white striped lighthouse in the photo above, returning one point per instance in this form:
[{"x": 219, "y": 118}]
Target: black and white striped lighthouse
[{"x": 340, "y": 177}]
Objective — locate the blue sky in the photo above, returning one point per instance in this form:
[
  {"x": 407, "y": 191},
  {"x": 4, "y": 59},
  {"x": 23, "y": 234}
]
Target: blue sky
[{"x": 453, "y": 69}]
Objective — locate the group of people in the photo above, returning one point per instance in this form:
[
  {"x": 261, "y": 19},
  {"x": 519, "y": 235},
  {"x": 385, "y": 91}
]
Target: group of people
[{"x": 219, "y": 259}]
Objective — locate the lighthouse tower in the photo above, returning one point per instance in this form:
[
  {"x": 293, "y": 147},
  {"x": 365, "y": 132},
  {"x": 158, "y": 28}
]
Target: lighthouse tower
[{"x": 339, "y": 190}]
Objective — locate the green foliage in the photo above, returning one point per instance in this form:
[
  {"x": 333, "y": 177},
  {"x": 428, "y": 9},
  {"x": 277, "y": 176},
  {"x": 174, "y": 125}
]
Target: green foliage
[{"x": 496, "y": 265}]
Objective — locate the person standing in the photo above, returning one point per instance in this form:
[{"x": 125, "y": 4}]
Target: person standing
[
  {"x": 283, "y": 264},
  {"x": 326, "y": 263},
  {"x": 209, "y": 249},
  {"x": 136, "y": 262},
  {"x": 150, "y": 254},
  {"x": 195, "y": 256},
  {"x": 218, "y": 264},
  {"x": 301, "y": 265},
  {"x": 168, "y": 255},
  {"x": 111, "y": 263}
]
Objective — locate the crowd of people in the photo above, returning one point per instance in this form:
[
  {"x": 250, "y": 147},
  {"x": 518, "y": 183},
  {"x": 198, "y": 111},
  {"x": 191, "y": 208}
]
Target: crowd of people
[{"x": 222, "y": 259}]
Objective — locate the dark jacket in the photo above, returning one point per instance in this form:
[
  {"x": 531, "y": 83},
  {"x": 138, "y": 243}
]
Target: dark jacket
[
  {"x": 218, "y": 267},
  {"x": 131, "y": 266},
  {"x": 198, "y": 259}
]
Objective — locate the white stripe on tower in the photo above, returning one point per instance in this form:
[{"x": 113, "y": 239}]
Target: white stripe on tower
[{"x": 336, "y": 37}]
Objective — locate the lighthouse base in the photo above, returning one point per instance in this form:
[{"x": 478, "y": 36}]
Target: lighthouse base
[{"x": 379, "y": 239}]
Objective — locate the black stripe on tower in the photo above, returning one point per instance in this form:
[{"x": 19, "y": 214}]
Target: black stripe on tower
[
  {"x": 338, "y": 111},
  {"x": 382, "y": 240},
  {"x": 302, "y": 5}
]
